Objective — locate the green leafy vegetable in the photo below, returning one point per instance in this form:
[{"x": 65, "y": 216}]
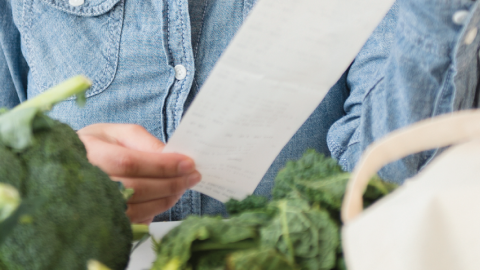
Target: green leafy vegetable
[
  {"x": 251, "y": 202},
  {"x": 262, "y": 259},
  {"x": 305, "y": 235},
  {"x": 198, "y": 235},
  {"x": 298, "y": 230}
]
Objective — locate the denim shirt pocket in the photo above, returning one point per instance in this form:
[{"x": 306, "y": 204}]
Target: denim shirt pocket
[{"x": 62, "y": 40}]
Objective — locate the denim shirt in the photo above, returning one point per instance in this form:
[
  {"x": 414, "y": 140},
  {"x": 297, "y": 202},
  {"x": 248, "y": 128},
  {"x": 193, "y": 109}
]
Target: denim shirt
[
  {"x": 129, "y": 49},
  {"x": 407, "y": 71},
  {"x": 424, "y": 64}
]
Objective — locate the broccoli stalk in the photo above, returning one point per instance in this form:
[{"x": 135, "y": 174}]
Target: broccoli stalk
[
  {"x": 140, "y": 231},
  {"x": 16, "y": 125}
]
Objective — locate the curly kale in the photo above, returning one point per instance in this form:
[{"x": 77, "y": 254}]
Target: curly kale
[
  {"x": 320, "y": 180},
  {"x": 196, "y": 237},
  {"x": 298, "y": 230},
  {"x": 305, "y": 235},
  {"x": 312, "y": 167},
  {"x": 251, "y": 202},
  {"x": 258, "y": 259},
  {"x": 82, "y": 216}
]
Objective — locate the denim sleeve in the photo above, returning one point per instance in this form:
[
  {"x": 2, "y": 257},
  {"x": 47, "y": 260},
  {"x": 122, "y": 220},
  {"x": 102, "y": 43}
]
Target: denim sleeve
[
  {"x": 13, "y": 67},
  {"x": 405, "y": 73}
]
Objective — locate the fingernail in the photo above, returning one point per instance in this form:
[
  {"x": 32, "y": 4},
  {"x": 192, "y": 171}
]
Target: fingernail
[
  {"x": 186, "y": 166},
  {"x": 193, "y": 179}
]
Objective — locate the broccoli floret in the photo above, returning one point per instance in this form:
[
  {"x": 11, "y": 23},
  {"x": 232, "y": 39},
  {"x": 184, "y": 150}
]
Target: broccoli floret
[{"x": 83, "y": 213}]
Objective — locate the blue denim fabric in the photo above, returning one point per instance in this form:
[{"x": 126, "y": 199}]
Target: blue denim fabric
[
  {"x": 414, "y": 66},
  {"x": 129, "y": 48}
]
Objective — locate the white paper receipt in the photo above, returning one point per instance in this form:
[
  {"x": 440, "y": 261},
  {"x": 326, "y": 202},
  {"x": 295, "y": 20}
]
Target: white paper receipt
[{"x": 270, "y": 79}]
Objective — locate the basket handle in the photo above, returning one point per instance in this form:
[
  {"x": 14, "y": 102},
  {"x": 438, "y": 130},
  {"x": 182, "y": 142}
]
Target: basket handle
[{"x": 428, "y": 134}]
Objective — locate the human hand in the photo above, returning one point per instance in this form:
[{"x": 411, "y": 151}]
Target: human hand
[{"x": 131, "y": 155}]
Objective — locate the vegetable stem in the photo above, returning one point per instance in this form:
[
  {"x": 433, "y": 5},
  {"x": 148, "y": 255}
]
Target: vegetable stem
[
  {"x": 286, "y": 233},
  {"x": 246, "y": 244},
  {"x": 66, "y": 89}
]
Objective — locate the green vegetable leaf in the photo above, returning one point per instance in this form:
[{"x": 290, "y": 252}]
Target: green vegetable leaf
[
  {"x": 81, "y": 99},
  {"x": 199, "y": 235},
  {"x": 210, "y": 260},
  {"x": 258, "y": 259},
  {"x": 298, "y": 229},
  {"x": 306, "y": 236},
  {"x": 252, "y": 202},
  {"x": 312, "y": 167}
]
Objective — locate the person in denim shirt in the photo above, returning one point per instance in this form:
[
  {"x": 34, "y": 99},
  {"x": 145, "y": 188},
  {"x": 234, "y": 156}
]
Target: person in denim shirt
[
  {"x": 429, "y": 67},
  {"x": 148, "y": 59}
]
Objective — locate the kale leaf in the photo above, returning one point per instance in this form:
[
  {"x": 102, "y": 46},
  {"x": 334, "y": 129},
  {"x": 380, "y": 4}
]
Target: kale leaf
[
  {"x": 305, "y": 235},
  {"x": 258, "y": 259},
  {"x": 298, "y": 230},
  {"x": 197, "y": 236},
  {"x": 252, "y": 202}
]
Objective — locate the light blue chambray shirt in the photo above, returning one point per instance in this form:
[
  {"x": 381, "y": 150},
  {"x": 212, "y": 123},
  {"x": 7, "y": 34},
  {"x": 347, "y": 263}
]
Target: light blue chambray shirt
[{"x": 414, "y": 66}]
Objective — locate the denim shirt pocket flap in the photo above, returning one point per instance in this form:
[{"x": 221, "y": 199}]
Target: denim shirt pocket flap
[
  {"x": 63, "y": 41},
  {"x": 89, "y": 8}
]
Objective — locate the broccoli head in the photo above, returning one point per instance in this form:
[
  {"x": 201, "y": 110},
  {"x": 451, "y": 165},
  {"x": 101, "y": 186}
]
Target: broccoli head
[{"x": 82, "y": 216}]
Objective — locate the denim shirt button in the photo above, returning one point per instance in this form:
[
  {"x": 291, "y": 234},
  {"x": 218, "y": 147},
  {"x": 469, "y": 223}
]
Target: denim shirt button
[
  {"x": 180, "y": 72},
  {"x": 460, "y": 16},
  {"x": 76, "y": 3},
  {"x": 471, "y": 35}
]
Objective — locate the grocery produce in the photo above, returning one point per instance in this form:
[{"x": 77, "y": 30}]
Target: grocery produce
[
  {"x": 82, "y": 213},
  {"x": 57, "y": 211},
  {"x": 9, "y": 206},
  {"x": 298, "y": 229},
  {"x": 9, "y": 201}
]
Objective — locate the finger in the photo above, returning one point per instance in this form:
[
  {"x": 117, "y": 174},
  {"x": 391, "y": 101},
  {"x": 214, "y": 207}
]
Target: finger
[
  {"x": 119, "y": 161},
  {"x": 147, "y": 189},
  {"x": 138, "y": 212},
  {"x": 130, "y": 136},
  {"x": 147, "y": 221}
]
